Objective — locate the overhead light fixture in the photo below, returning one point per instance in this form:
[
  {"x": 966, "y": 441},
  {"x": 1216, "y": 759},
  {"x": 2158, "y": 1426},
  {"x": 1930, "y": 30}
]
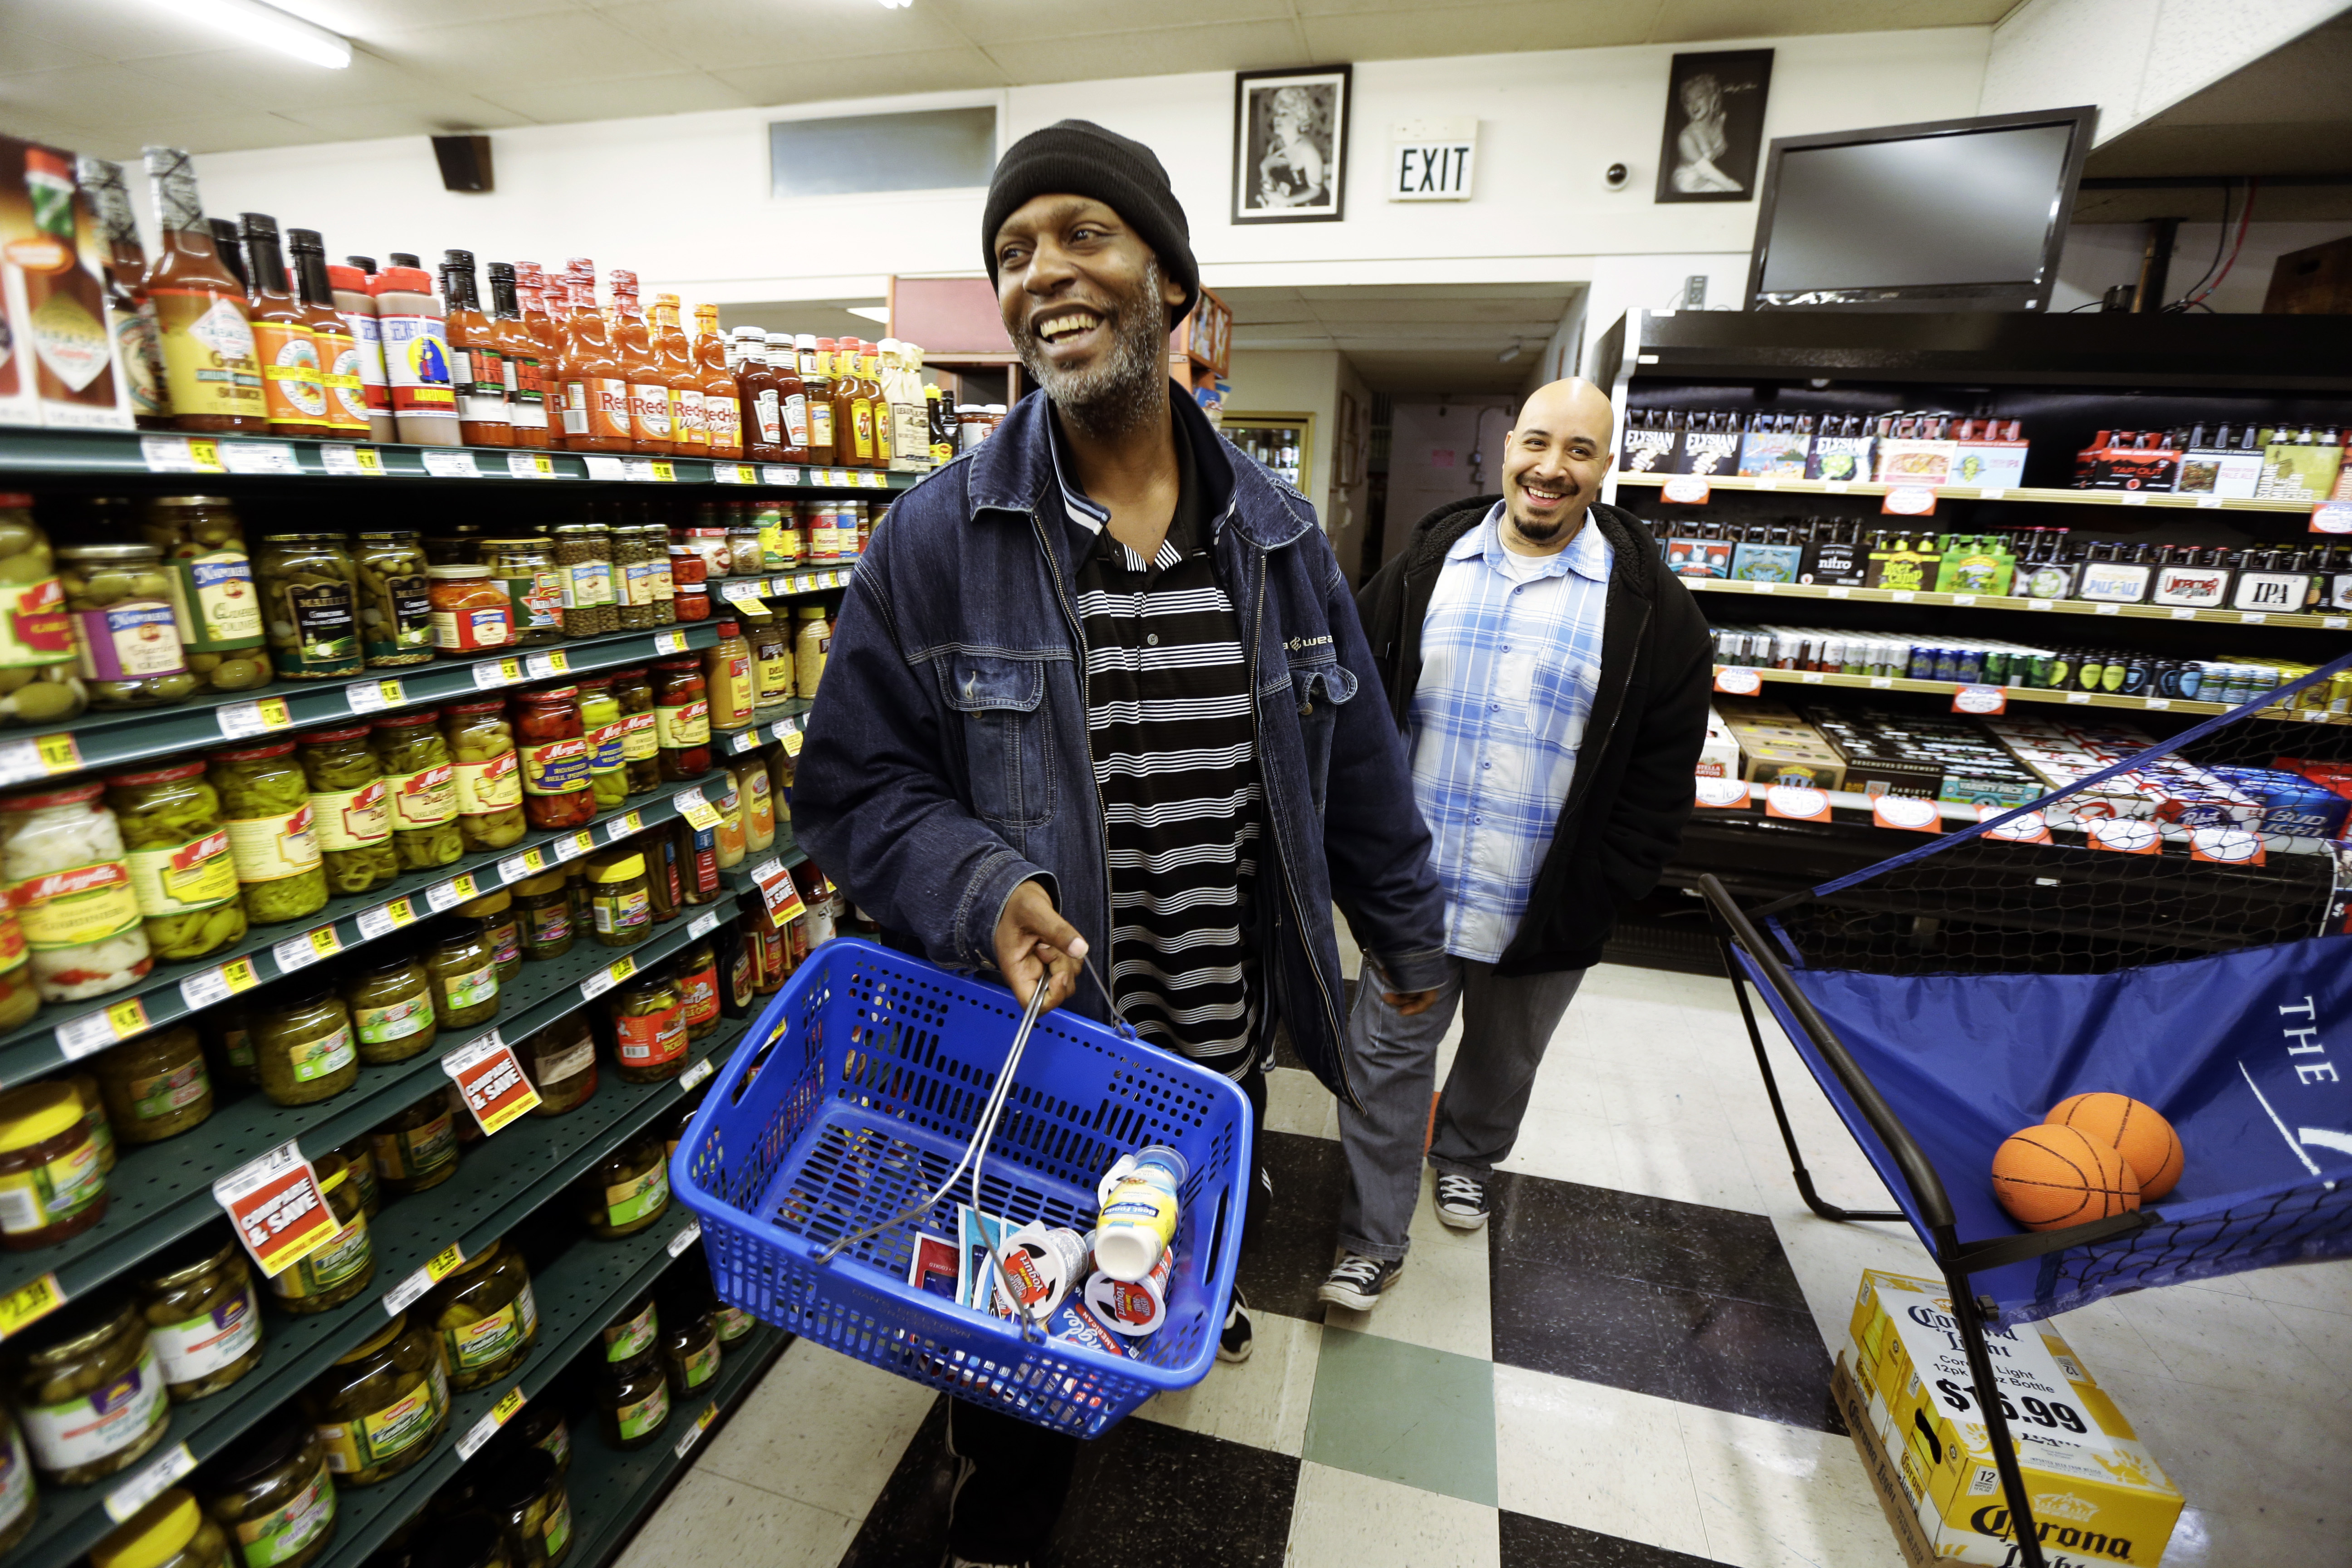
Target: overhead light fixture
[
  {"x": 872, "y": 312},
  {"x": 1509, "y": 354},
  {"x": 256, "y": 22},
  {"x": 897, "y": 5}
]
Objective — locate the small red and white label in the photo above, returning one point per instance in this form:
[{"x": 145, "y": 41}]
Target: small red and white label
[
  {"x": 1688, "y": 489},
  {"x": 2030, "y": 828},
  {"x": 491, "y": 1080},
  {"x": 1910, "y": 501},
  {"x": 2332, "y": 517},
  {"x": 1723, "y": 795},
  {"x": 2226, "y": 846},
  {"x": 1740, "y": 680},
  {"x": 1980, "y": 699},
  {"x": 276, "y": 1206},
  {"x": 2125, "y": 835},
  {"x": 1798, "y": 803},
  {"x": 1907, "y": 813}
]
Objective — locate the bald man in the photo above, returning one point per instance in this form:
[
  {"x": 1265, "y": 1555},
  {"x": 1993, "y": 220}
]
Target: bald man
[{"x": 1551, "y": 680}]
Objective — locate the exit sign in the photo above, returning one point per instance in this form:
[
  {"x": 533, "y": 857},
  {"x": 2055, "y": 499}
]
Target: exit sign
[{"x": 1432, "y": 160}]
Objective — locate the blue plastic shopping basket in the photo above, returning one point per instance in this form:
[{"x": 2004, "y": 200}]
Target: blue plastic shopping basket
[{"x": 854, "y": 1096}]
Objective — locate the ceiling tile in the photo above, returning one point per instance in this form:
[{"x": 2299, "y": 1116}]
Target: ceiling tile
[
  {"x": 95, "y": 93},
  {"x": 220, "y": 78},
  {"x": 233, "y": 131},
  {"x": 21, "y": 51},
  {"x": 990, "y": 21},
  {"x": 429, "y": 114},
  {"x": 682, "y": 92},
  {"x": 1487, "y": 29},
  {"x": 530, "y": 52},
  {"x": 110, "y": 29},
  {"x": 932, "y": 70},
  {"x": 734, "y": 34},
  {"x": 370, "y": 19},
  {"x": 1699, "y": 21},
  {"x": 1241, "y": 45}
]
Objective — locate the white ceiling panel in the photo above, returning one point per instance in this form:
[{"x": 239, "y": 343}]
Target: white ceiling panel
[
  {"x": 1694, "y": 21},
  {"x": 439, "y": 110},
  {"x": 563, "y": 47},
  {"x": 867, "y": 76},
  {"x": 1238, "y": 45},
  {"x": 674, "y": 92},
  {"x": 991, "y": 22},
  {"x": 731, "y": 34}
]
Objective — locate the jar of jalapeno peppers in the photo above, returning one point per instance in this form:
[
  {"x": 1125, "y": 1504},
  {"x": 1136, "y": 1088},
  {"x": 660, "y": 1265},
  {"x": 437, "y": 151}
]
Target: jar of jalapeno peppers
[
  {"x": 395, "y": 607},
  {"x": 420, "y": 784},
  {"x": 181, "y": 867},
  {"x": 555, "y": 758},
  {"x": 489, "y": 773},
  {"x": 601, "y": 726},
  {"x": 272, "y": 832},
  {"x": 349, "y": 809},
  {"x": 310, "y": 600},
  {"x": 640, "y": 746}
]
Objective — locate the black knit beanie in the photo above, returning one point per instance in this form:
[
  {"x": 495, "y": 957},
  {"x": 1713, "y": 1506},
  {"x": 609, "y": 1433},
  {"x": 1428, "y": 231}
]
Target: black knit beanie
[{"x": 1079, "y": 158}]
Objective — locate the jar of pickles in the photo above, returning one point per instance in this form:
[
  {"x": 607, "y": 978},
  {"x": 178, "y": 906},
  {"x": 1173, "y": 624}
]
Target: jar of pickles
[
  {"x": 214, "y": 598},
  {"x": 350, "y": 811},
  {"x": 502, "y": 926},
  {"x": 583, "y": 555},
  {"x": 39, "y": 682},
  {"x": 391, "y": 1003},
  {"x": 524, "y": 565},
  {"x": 416, "y": 1149},
  {"x": 681, "y": 720},
  {"x": 310, "y": 602},
  {"x": 627, "y": 1190},
  {"x": 465, "y": 973},
  {"x": 621, "y": 907},
  {"x": 555, "y": 758},
  {"x": 649, "y": 1030},
  {"x": 343, "y": 1268},
  {"x": 305, "y": 1047},
  {"x": 203, "y": 1315},
  {"x": 525, "y": 1498},
  {"x": 182, "y": 871},
  {"x": 489, "y": 774},
  {"x": 358, "y": 1159},
  {"x": 420, "y": 782},
  {"x": 62, "y": 858},
  {"x": 126, "y": 637},
  {"x": 395, "y": 602},
  {"x": 276, "y": 1499},
  {"x": 90, "y": 1391},
  {"x": 272, "y": 835},
  {"x": 543, "y": 913},
  {"x": 560, "y": 1062},
  {"x": 640, "y": 746},
  {"x": 600, "y": 727},
  {"x": 486, "y": 1317},
  {"x": 156, "y": 1087},
  {"x": 383, "y": 1404}
]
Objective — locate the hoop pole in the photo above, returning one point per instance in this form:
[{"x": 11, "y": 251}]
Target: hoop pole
[{"x": 2028, "y": 1537}]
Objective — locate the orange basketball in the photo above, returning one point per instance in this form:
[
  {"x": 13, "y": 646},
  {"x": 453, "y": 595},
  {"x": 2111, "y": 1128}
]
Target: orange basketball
[
  {"x": 2136, "y": 1132},
  {"x": 2049, "y": 1176}
]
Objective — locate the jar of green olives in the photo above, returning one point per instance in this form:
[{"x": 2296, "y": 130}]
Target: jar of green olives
[
  {"x": 309, "y": 597},
  {"x": 270, "y": 834},
  {"x": 348, "y": 810},
  {"x": 126, "y": 637},
  {"x": 391, "y": 999},
  {"x": 182, "y": 870},
  {"x": 465, "y": 970},
  {"x": 40, "y": 683},
  {"x": 490, "y": 773},
  {"x": 421, "y": 781},
  {"x": 395, "y": 611},
  {"x": 214, "y": 595},
  {"x": 305, "y": 1048}
]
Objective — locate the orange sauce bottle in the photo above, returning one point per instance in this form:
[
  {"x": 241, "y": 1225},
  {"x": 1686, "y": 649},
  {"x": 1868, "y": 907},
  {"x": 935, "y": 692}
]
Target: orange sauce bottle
[
  {"x": 819, "y": 388},
  {"x": 542, "y": 317},
  {"x": 477, "y": 369},
  {"x": 841, "y": 389},
  {"x": 791, "y": 397},
  {"x": 877, "y": 394},
  {"x": 521, "y": 357},
  {"x": 339, "y": 351},
  {"x": 688, "y": 419},
  {"x": 595, "y": 387},
  {"x": 293, "y": 387},
  {"x": 649, "y": 426},
  {"x": 722, "y": 410},
  {"x": 206, "y": 331},
  {"x": 764, "y": 422}
]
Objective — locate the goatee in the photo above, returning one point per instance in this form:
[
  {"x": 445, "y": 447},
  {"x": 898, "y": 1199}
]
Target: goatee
[{"x": 1122, "y": 392}]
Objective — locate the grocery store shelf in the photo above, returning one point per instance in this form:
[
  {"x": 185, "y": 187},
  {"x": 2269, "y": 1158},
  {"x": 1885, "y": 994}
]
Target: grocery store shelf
[
  {"x": 160, "y": 1192},
  {"x": 112, "y": 454},
  {"x": 1974, "y": 492},
  {"x": 2003, "y": 602},
  {"x": 612, "y": 1494},
  {"x": 2027, "y": 694},
  {"x": 500, "y": 1182},
  {"x": 68, "y": 1031}
]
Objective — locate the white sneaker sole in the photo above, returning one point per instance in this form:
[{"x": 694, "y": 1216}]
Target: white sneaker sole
[
  {"x": 1451, "y": 1220},
  {"x": 1353, "y": 1300}
]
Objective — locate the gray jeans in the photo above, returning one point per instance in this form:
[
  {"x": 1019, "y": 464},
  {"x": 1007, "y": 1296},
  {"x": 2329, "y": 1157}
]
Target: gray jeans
[{"x": 1507, "y": 1022}]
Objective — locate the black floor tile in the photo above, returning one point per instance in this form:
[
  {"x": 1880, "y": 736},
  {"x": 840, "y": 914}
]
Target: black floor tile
[
  {"x": 907, "y": 1525},
  {"x": 1148, "y": 1496},
  {"x": 1689, "y": 1246},
  {"x": 1530, "y": 1542},
  {"x": 1749, "y": 1360},
  {"x": 1571, "y": 1322},
  {"x": 1286, "y": 1250}
]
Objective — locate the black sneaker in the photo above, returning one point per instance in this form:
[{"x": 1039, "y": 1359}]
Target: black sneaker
[
  {"x": 1359, "y": 1282},
  {"x": 1235, "y": 1342},
  {"x": 1462, "y": 1203}
]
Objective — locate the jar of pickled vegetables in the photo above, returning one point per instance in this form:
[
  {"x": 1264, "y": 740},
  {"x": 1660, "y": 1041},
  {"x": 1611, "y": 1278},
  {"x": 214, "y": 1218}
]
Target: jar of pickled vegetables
[
  {"x": 359, "y": 1158},
  {"x": 620, "y": 906},
  {"x": 272, "y": 834},
  {"x": 391, "y": 1003},
  {"x": 632, "y": 580},
  {"x": 698, "y": 988},
  {"x": 343, "y": 1268},
  {"x": 126, "y": 637},
  {"x": 62, "y": 856},
  {"x": 465, "y": 973},
  {"x": 276, "y": 1499},
  {"x": 52, "y": 1181},
  {"x": 20, "y": 999},
  {"x": 626, "y": 1190},
  {"x": 181, "y": 869},
  {"x": 600, "y": 727},
  {"x": 156, "y": 1087},
  {"x": 420, "y": 781},
  {"x": 350, "y": 811},
  {"x": 214, "y": 598},
  {"x": 693, "y": 601},
  {"x": 649, "y": 1030},
  {"x": 640, "y": 746},
  {"x": 203, "y": 1315},
  {"x": 309, "y": 600},
  {"x": 471, "y": 614},
  {"x": 382, "y": 1406},
  {"x": 305, "y": 1047},
  {"x": 544, "y": 914},
  {"x": 555, "y": 758},
  {"x": 39, "y": 682},
  {"x": 524, "y": 565},
  {"x": 490, "y": 773},
  {"x": 681, "y": 720},
  {"x": 229, "y": 1035},
  {"x": 583, "y": 553},
  {"x": 417, "y": 1149},
  {"x": 93, "y": 1115},
  {"x": 90, "y": 1391},
  {"x": 395, "y": 599},
  {"x": 169, "y": 1532},
  {"x": 502, "y": 924},
  {"x": 560, "y": 1062},
  {"x": 486, "y": 1317},
  {"x": 690, "y": 1349}
]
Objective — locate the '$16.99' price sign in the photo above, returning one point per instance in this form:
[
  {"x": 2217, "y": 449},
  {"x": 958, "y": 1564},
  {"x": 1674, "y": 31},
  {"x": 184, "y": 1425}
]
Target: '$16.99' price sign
[
  {"x": 491, "y": 1079},
  {"x": 276, "y": 1206}
]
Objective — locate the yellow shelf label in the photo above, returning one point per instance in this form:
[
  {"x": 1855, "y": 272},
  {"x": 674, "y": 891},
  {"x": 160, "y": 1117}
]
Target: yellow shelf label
[
  {"x": 60, "y": 754},
  {"x": 28, "y": 1303}
]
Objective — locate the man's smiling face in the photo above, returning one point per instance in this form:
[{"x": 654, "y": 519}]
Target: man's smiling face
[
  {"x": 1086, "y": 305},
  {"x": 1554, "y": 462}
]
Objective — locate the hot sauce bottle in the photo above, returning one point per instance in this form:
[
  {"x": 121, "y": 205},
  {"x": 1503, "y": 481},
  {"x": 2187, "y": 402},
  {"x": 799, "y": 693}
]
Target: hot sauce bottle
[
  {"x": 690, "y": 425},
  {"x": 476, "y": 367},
  {"x": 792, "y": 396},
  {"x": 649, "y": 423},
  {"x": 521, "y": 357},
  {"x": 294, "y": 388},
  {"x": 841, "y": 355},
  {"x": 542, "y": 317},
  {"x": 130, "y": 313},
  {"x": 817, "y": 374},
  {"x": 764, "y": 422},
  {"x": 209, "y": 367},
  {"x": 355, "y": 302},
  {"x": 877, "y": 409},
  {"x": 721, "y": 409},
  {"x": 339, "y": 351},
  {"x": 595, "y": 387}
]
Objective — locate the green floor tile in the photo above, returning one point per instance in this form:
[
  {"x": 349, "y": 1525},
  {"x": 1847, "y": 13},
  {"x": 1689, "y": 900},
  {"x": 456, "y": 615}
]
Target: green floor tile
[{"x": 1403, "y": 1412}]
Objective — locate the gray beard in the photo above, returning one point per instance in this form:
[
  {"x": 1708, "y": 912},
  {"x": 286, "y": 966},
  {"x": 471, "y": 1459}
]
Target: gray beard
[{"x": 1122, "y": 394}]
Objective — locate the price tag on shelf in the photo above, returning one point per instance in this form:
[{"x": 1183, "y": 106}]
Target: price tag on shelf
[
  {"x": 775, "y": 475},
  {"x": 792, "y": 740},
  {"x": 735, "y": 592},
  {"x": 1685, "y": 489},
  {"x": 300, "y": 951},
  {"x": 693, "y": 1231},
  {"x": 689, "y": 803},
  {"x": 515, "y": 868},
  {"x": 1901, "y": 595},
  {"x": 2159, "y": 703},
  {"x": 2253, "y": 618},
  {"x": 1992, "y": 492},
  {"x": 2079, "y": 699},
  {"x": 349, "y": 462},
  {"x": 1910, "y": 501},
  {"x": 1881, "y": 683},
  {"x": 374, "y": 696},
  {"x": 2332, "y": 517},
  {"x": 1721, "y": 794},
  {"x": 241, "y": 720},
  {"x": 1767, "y": 482},
  {"x": 1964, "y": 599},
  {"x": 575, "y": 845},
  {"x": 1840, "y": 593},
  {"x": 276, "y": 1206},
  {"x": 1980, "y": 699},
  {"x": 638, "y": 470},
  {"x": 664, "y": 473},
  {"x": 44, "y": 757},
  {"x": 450, "y": 463},
  {"x": 1836, "y": 486},
  {"x": 701, "y": 1424},
  {"x": 875, "y": 481},
  {"x": 449, "y": 894},
  {"x": 529, "y": 466},
  {"x": 1740, "y": 680},
  {"x": 498, "y": 1416},
  {"x": 1797, "y": 803},
  {"x": 669, "y": 642},
  {"x": 385, "y": 919},
  {"x": 703, "y": 924},
  {"x": 259, "y": 458},
  {"x": 496, "y": 672},
  {"x": 1907, "y": 813},
  {"x": 540, "y": 665},
  {"x": 777, "y": 891},
  {"x": 438, "y": 1268},
  {"x": 695, "y": 1074},
  {"x": 604, "y": 979},
  {"x": 78, "y": 1037},
  {"x": 621, "y": 827},
  {"x": 491, "y": 1080},
  {"x": 36, "y": 1299},
  {"x": 152, "y": 1481},
  {"x": 2336, "y": 623},
  {"x": 2106, "y": 609},
  {"x": 2040, "y": 604},
  {"x": 201, "y": 991},
  {"x": 1764, "y": 587},
  {"x": 839, "y": 478},
  {"x": 734, "y": 474},
  {"x": 743, "y": 740},
  {"x": 2133, "y": 498},
  {"x": 2183, "y": 613},
  {"x": 1815, "y": 677},
  {"x": 181, "y": 455},
  {"x": 600, "y": 467},
  {"x": 2209, "y": 502}
]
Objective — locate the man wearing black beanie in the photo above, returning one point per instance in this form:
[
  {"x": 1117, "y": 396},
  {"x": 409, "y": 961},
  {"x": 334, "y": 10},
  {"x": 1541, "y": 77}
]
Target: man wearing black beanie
[{"x": 1099, "y": 685}]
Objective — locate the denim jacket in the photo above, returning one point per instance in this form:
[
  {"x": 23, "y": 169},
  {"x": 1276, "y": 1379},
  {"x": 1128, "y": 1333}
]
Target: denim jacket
[{"x": 947, "y": 761}]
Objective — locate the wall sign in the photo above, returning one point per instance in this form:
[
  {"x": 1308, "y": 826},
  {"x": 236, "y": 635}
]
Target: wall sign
[{"x": 1432, "y": 160}]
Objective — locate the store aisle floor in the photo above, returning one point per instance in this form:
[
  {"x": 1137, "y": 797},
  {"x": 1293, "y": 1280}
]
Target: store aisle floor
[{"x": 1629, "y": 1368}]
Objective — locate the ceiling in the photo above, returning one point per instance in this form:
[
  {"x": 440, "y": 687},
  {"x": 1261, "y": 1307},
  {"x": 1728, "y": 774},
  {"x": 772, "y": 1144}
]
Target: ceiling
[
  {"x": 108, "y": 76},
  {"x": 1404, "y": 338}
]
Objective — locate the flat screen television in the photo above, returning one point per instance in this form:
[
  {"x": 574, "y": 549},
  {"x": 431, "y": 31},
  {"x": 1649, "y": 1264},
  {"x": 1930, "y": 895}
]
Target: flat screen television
[{"x": 1956, "y": 215}]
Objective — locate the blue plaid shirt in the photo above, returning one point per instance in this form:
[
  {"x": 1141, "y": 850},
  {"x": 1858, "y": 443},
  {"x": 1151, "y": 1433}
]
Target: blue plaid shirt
[{"x": 1510, "y": 653}]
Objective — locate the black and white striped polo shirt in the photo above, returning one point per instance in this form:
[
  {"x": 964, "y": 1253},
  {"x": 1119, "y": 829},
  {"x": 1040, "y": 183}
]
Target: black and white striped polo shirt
[{"x": 1169, "y": 722}]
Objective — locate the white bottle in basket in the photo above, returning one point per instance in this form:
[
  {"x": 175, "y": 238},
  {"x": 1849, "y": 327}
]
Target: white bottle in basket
[{"x": 1138, "y": 1211}]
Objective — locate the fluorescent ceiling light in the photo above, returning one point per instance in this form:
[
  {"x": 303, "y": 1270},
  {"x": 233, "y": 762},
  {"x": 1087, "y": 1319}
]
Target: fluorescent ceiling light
[
  {"x": 897, "y": 5},
  {"x": 872, "y": 312},
  {"x": 256, "y": 22}
]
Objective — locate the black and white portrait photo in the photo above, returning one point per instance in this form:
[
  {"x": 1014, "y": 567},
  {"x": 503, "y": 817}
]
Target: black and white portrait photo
[
  {"x": 1715, "y": 126},
  {"x": 1290, "y": 144}
]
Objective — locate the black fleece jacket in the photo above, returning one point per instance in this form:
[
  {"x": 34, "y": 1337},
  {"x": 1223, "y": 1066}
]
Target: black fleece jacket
[{"x": 1632, "y": 793}]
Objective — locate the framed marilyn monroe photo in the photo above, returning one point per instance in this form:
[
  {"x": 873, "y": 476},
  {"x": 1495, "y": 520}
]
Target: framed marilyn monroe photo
[{"x": 1290, "y": 144}]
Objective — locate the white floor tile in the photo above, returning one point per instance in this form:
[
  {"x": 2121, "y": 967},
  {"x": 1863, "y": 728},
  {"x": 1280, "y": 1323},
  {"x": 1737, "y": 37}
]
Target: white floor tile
[
  {"x": 1594, "y": 1456},
  {"x": 1262, "y": 1402},
  {"x": 820, "y": 1428},
  {"x": 1342, "y": 1520},
  {"x": 1566, "y": 1147},
  {"x": 2327, "y": 1335},
  {"x": 708, "y": 1519},
  {"x": 1296, "y": 1102},
  {"x": 1444, "y": 1298},
  {"x": 1782, "y": 1497},
  {"x": 2324, "y": 1286},
  {"x": 2224, "y": 1341}
]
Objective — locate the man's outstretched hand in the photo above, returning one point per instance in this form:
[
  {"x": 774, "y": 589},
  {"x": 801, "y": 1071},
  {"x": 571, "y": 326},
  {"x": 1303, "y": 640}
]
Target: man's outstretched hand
[{"x": 1033, "y": 938}]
